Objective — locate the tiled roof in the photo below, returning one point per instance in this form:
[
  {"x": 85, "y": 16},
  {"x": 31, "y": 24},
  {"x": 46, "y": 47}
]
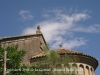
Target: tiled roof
[
  {"x": 63, "y": 51},
  {"x": 60, "y": 51},
  {"x": 42, "y": 54},
  {"x": 68, "y": 51},
  {"x": 72, "y": 52}
]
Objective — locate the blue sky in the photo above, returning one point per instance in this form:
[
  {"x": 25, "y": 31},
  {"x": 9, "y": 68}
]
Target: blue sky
[{"x": 73, "y": 23}]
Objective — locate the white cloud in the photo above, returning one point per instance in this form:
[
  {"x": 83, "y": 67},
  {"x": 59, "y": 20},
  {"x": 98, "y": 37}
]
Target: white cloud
[
  {"x": 46, "y": 15},
  {"x": 76, "y": 42},
  {"x": 25, "y": 15},
  {"x": 58, "y": 28},
  {"x": 91, "y": 29}
]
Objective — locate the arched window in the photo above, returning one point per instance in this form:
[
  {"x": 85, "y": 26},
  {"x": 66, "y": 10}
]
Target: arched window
[
  {"x": 58, "y": 69},
  {"x": 67, "y": 68},
  {"x": 59, "y": 66},
  {"x": 74, "y": 69},
  {"x": 92, "y": 73},
  {"x": 87, "y": 70},
  {"x": 81, "y": 70}
]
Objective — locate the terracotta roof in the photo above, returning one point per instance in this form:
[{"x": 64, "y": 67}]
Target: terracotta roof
[
  {"x": 42, "y": 54},
  {"x": 68, "y": 51},
  {"x": 60, "y": 51},
  {"x": 72, "y": 52},
  {"x": 63, "y": 51}
]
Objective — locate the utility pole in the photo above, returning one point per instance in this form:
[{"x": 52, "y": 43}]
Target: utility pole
[{"x": 5, "y": 59}]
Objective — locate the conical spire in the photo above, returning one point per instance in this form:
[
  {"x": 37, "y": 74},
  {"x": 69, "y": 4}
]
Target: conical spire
[{"x": 38, "y": 30}]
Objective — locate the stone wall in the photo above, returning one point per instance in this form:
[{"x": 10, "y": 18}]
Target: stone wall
[{"x": 32, "y": 44}]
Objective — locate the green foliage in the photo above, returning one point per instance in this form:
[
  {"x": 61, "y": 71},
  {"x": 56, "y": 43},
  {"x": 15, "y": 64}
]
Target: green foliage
[
  {"x": 15, "y": 56},
  {"x": 52, "y": 57}
]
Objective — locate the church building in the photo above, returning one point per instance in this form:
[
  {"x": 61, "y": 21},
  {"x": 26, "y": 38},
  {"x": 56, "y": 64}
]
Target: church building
[{"x": 34, "y": 45}]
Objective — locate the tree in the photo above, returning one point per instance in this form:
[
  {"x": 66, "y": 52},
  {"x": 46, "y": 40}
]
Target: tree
[{"x": 15, "y": 56}]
